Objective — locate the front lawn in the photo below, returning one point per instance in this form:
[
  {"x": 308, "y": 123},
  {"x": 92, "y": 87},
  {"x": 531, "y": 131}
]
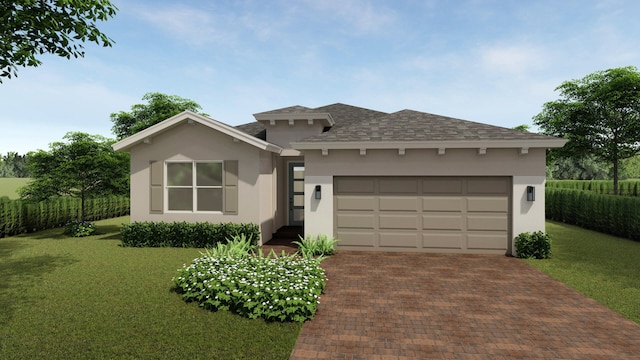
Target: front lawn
[
  {"x": 9, "y": 186},
  {"x": 90, "y": 298},
  {"x": 603, "y": 267}
]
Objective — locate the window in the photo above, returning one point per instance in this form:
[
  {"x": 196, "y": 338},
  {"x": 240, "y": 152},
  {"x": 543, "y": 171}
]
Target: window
[{"x": 194, "y": 186}]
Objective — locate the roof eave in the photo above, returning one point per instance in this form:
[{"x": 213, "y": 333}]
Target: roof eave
[
  {"x": 147, "y": 134},
  {"x": 446, "y": 144}
]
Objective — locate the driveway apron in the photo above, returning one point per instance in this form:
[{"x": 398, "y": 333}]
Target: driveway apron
[{"x": 446, "y": 306}]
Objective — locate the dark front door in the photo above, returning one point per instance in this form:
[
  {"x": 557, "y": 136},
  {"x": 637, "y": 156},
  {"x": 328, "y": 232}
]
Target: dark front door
[{"x": 296, "y": 194}]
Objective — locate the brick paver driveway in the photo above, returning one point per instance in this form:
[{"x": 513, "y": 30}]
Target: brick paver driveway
[{"x": 430, "y": 306}]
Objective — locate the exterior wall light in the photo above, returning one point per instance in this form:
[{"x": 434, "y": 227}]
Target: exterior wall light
[
  {"x": 531, "y": 193},
  {"x": 318, "y": 192}
]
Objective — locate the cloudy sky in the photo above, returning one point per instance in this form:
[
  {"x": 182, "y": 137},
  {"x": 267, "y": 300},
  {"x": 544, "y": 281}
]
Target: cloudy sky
[{"x": 495, "y": 62}]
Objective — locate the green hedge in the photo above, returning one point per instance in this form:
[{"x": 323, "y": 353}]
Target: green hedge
[
  {"x": 616, "y": 215},
  {"x": 625, "y": 187},
  {"x": 18, "y": 216},
  {"x": 183, "y": 234}
]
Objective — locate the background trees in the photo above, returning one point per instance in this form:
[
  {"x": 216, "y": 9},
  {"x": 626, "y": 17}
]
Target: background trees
[
  {"x": 159, "y": 107},
  {"x": 599, "y": 114},
  {"x": 13, "y": 164},
  {"x": 84, "y": 166},
  {"x": 29, "y": 28}
]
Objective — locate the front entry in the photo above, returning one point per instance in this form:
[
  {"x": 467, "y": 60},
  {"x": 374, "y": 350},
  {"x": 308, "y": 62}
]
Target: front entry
[{"x": 296, "y": 194}]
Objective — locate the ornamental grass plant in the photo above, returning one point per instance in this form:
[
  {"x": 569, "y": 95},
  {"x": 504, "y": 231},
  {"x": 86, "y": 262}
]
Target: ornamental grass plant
[{"x": 319, "y": 246}]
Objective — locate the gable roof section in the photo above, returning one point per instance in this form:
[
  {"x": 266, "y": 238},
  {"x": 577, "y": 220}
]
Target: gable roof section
[
  {"x": 296, "y": 109},
  {"x": 147, "y": 134},
  {"x": 414, "y": 129}
]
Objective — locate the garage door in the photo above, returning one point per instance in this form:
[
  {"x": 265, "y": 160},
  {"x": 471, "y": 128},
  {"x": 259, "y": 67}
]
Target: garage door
[{"x": 429, "y": 214}]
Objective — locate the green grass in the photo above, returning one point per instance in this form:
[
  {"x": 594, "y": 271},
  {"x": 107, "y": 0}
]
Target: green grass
[
  {"x": 90, "y": 298},
  {"x": 604, "y": 267},
  {"x": 9, "y": 186}
]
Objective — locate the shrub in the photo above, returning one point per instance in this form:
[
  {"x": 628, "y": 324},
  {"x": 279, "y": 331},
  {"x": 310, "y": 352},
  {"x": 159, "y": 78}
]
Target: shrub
[
  {"x": 615, "y": 215},
  {"x": 78, "y": 228},
  {"x": 533, "y": 245},
  {"x": 19, "y": 216},
  {"x": 240, "y": 246},
  {"x": 285, "y": 288},
  {"x": 321, "y": 246},
  {"x": 183, "y": 234}
]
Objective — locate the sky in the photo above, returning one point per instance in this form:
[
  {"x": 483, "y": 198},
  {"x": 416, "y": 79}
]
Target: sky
[{"x": 495, "y": 62}]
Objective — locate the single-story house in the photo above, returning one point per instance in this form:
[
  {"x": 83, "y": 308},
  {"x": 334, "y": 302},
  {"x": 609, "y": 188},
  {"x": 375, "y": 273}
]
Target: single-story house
[{"x": 402, "y": 181}]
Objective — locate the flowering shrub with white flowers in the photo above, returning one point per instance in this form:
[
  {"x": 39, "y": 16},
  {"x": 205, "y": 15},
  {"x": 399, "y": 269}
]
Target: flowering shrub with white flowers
[{"x": 285, "y": 288}]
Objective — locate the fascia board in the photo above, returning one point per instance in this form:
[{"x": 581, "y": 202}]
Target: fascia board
[
  {"x": 489, "y": 144},
  {"x": 297, "y": 116}
]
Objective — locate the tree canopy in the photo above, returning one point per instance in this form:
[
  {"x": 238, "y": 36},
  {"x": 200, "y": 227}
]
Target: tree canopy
[
  {"x": 599, "y": 115},
  {"x": 159, "y": 107},
  {"x": 13, "y": 165},
  {"x": 35, "y": 27},
  {"x": 84, "y": 166}
]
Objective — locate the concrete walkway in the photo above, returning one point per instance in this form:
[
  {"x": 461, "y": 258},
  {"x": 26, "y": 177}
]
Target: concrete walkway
[{"x": 431, "y": 306}]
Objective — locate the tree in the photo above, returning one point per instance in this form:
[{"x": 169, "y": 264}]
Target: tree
[
  {"x": 523, "y": 128},
  {"x": 13, "y": 164},
  {"x": 599, "y": 114},
  {"x": 85, "y": 166},
  {"x": 584, "y": 168},
  {"x": 35, "y": 27},
  {"x": 160, "y": 107}
]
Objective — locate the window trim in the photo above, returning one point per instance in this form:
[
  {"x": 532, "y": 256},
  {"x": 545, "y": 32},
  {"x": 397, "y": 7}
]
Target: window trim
[{"x": 194, "y": 187}]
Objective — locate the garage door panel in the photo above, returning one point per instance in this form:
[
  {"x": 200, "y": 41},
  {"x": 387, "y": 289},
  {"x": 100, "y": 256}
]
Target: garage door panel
[
  {"x": 487, "y": 222},
  {"x": 355, "y": 185},
  {"x": 442, "y": 241},
  {"x": 442, "y": 186},
  {"x": 487, "y": 186},
  {"x": 488, "y": 204},
  {"x": 363, "y": 203},
  {"x": 442, "y": 222},
  {"x": 442, "y": 203},
  {"x": 397, "y": 239},
  {"x": 487, "y": 241},
  {"x": 398, "y": 203},
  {"x": 353, "y": 238},
  {"x": 398, "y": 186},
  {"x": 408, "y": 221},
  {"x": 436, "y": 214},
  {"x": 356, "y": 221}
]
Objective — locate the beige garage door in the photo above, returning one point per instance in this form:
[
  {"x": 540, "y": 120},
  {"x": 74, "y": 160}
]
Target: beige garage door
[{"x": 430, "y": 214}]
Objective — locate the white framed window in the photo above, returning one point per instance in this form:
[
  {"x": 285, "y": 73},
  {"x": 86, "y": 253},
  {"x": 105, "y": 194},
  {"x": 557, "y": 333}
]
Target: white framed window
[{"x": 194, "y": 186}]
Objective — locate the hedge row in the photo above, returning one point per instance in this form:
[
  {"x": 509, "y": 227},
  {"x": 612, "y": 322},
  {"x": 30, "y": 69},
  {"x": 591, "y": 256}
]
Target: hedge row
[
  {"x": 625, "y": 187},
  {"x": 183, "y": 234},
  {"x": 616, "y": 215},
  {"x": 18, "y": 217}
]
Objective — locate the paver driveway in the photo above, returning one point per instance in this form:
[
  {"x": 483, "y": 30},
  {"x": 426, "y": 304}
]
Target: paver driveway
[{"x": 435, "y": 306}]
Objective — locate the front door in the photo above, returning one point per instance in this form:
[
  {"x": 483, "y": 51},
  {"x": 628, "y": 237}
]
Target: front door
[{"x": 296, "y": 194}]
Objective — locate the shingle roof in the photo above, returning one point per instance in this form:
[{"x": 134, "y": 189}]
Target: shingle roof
[
  {"x": 409, "y": 125},
  {"x": 356, "y": 124},
  {"x": 254, "y": 129}
]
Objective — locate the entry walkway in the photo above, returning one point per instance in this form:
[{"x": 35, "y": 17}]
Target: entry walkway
[{"x": 431, "y": 306}]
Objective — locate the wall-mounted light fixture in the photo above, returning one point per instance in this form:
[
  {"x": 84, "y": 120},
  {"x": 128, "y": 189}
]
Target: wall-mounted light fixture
[
  {"x": 531, "y": 193},
  {"x": 317, "y": 192}
]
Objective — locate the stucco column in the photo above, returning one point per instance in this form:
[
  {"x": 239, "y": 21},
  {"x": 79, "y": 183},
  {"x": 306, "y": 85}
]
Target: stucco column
[
  {"x": 318, "y": 213},
  {"x": 528, "y": 216}
]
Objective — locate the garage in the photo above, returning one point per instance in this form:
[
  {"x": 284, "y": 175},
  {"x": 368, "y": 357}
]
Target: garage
[{"x": 425, "y": 214}]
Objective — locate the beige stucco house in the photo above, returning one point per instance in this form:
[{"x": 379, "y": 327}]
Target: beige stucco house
[{"x": 405, "y": 181}]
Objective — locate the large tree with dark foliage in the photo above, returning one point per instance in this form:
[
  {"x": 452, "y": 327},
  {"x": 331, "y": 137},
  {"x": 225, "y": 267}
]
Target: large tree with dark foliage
[
  {"x": 159, "y": 107},
  {"x": 599, "y": 114},
  {"x": 29, "y": 28},
  {"x": 84, "y": 166}
]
